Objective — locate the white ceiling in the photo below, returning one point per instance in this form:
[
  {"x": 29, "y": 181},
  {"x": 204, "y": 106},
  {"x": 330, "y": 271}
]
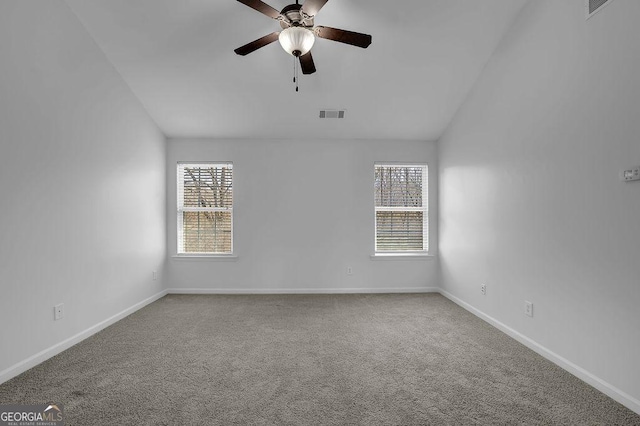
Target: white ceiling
[{"x": 177, "y": 57}]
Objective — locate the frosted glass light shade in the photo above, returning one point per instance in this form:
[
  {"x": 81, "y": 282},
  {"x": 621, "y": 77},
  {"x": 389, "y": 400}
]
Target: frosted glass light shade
[{"x": 294, "y": 39}]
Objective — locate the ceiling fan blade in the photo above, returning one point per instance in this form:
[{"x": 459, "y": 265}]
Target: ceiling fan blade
[
  {"x": 306, "y": 63},
  {"x": 261, "y": 7},
  {"x": 343, "y": 36},
  {"x": 311, "y": 7},
  {"x": 257, "y": 44}
]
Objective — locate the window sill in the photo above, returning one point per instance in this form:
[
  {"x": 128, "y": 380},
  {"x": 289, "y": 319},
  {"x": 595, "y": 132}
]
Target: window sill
[
  {"x": 206, "y": 257},
  {"x": 401, "y": 256}
]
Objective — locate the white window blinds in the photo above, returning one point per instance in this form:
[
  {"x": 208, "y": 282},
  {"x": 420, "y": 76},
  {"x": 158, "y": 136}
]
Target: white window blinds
[
  {"x": 401, "y": 208},
  {"x": 205, "y": 208}
]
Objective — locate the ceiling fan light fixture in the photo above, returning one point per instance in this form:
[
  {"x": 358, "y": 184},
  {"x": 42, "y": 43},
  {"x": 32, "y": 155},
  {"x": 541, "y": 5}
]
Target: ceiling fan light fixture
[{"x": 296, "y": 41}]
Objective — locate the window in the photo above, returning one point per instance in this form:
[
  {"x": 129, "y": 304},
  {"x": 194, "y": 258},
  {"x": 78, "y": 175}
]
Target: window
[
  {"x": 205, "y": 208},
  {"x": 402, "y": 220}
]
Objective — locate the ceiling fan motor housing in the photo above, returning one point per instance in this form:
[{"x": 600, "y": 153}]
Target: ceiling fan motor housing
[{"x": 295, "y": 17}]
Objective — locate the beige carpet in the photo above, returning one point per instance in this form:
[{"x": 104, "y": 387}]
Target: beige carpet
[{"x": 309, "y": 360}]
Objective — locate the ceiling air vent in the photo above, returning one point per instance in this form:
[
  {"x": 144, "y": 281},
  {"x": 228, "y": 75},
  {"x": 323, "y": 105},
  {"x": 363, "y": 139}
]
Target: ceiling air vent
[
  {"x": 332, "y": 113},
  {"x": 594, "y": 6}
]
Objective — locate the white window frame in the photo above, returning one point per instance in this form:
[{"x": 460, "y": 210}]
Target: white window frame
[
  {"x": 424, "y": 209},
  {"x": 181, "y": 209}
]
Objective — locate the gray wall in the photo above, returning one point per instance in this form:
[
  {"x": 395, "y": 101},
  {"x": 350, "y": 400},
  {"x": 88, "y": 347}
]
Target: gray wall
[
  {"x": 303, "y": 212},
  {"x": 82, "y": 184},
  {"x": 531, "y": 203}
]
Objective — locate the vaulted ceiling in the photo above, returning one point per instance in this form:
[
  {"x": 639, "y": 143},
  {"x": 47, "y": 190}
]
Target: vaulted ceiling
[{"x": 177, "y": 57}]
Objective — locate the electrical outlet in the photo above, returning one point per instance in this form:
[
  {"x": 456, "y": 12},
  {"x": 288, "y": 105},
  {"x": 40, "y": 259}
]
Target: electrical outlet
[
  {"x": 528, "y": 308},
  {"x": 58, "y": 311},
  {"x": 349, "y": 270},
  {"x": 483, "y": 289},
  {"x": 155, "y": 275}
]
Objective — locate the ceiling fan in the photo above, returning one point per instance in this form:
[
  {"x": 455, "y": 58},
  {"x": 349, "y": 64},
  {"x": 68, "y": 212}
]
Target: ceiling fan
[{"x": 298, "y": 32}]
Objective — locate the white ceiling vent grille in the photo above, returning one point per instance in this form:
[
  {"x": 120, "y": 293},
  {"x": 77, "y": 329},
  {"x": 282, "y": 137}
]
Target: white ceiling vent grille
[
  {"x": 594, "y": 6},
  {"x": 332, "y": 113}
]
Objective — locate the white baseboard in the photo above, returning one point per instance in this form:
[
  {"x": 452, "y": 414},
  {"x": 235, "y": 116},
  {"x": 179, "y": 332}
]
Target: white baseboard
[
  {"x": 603, "y": 386},
  {"x": 302, "y": 290},
  {"x": 44, "y": 355}
]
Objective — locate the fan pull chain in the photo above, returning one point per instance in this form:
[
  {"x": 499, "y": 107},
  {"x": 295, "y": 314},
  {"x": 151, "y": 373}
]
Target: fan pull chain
[{"x": 296, "y": 78}]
